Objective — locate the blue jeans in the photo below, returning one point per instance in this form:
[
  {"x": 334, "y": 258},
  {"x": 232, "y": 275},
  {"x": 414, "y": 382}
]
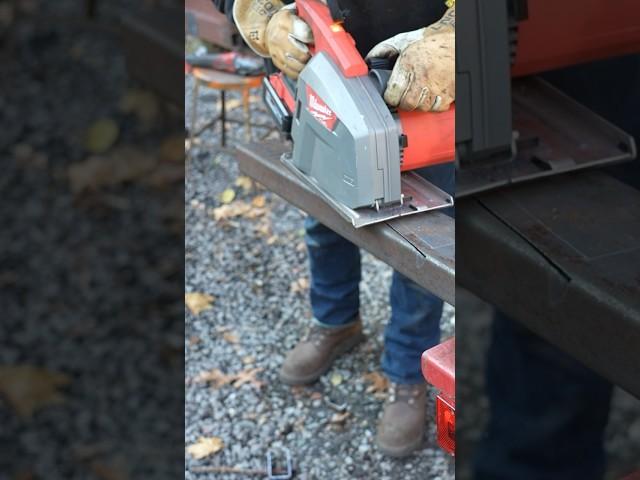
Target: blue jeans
[
  {"x": 414, "y": 325},
  {"x": 548, "y": 412}
]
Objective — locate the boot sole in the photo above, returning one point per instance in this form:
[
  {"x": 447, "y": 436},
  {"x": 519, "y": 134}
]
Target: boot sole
[
  {"x": 312, "y": 377},
  {"x": 400, "y": 452}
]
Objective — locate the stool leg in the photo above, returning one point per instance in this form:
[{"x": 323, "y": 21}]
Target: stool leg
[
  {"x": 223, "y": 117},
  {"x": 194, "y": 113},
  {"x": 247, "y": 114}
]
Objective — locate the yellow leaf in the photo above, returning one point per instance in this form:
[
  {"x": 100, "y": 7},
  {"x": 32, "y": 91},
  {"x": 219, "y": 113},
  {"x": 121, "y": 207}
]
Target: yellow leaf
[
  {"x": 101, "y": 135},
  {"x": 205, "y": 446},
  {"x": 28, "y": 389},
  {"x": 335, "y": 379},
  {"x": 198, "y": 302},
  {"x": 228, "y": 195},
  {"x": 258, "y": 201},
  {"x": 245, "y": 183}
]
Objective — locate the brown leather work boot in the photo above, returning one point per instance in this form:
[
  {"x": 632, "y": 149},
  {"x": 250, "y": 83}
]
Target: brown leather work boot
[
  {"x": 313, "y": 355},
  {"x": 402, "y": 425}
]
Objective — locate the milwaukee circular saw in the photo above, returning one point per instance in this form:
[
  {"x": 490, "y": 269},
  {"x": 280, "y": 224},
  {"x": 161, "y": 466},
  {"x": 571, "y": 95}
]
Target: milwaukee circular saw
[{"x": 351, "y": 148}]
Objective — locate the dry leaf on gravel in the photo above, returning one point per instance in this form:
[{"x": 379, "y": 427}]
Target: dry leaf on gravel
[
  {"x": 205, "y": 446},
  {"x": 227, "y": 196},
  {"x": 198, "y": 302},
  {"x": 28, "y": 389},
  {"x": 378, "y": 382},
  {"x": 300, "y": 285},
  {"x": 259, "y": 201},
  {"x": 245, "y": 183},
  {"x": 123, "y": 165},
  {"x": 248, "y": 376},
  {"x": 230, "y": 337},
  {"x": 215, "y": 377},
  {"x": 234, "y": 209},
  {"x": 101, "y": 135}
]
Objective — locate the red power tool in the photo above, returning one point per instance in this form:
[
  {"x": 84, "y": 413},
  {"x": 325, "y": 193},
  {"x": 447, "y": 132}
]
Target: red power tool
[{"x": 348, "y": 145}]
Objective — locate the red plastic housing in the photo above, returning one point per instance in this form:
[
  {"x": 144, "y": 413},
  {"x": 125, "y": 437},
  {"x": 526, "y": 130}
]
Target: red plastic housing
[
  {"x": 329, "y": 37},
  {"x": 563, "y": 33},
  {"x": 431, "y": 138},
  {"x": 439, "y": 369}
]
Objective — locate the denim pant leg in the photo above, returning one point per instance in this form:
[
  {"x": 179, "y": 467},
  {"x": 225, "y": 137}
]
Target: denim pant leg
[
  {"x": 415, "y": 313},
  {"x": 335, "y": 275},
  {"x": 414, "y": 326},
  {"x": 548, "y": 412}
]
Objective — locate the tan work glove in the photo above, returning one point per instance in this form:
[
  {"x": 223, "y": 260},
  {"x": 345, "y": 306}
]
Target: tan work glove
[
  {"x": 423, "y": 77},
  {"x": 274, "y": 30}
]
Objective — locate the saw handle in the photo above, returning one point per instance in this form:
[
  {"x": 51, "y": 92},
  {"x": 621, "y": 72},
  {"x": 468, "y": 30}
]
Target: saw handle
[{"x": 331, "y": 38}]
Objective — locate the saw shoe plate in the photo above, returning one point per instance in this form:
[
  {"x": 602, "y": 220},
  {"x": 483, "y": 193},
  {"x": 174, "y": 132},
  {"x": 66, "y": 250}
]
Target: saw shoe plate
[{"x": 419, "y": 196}]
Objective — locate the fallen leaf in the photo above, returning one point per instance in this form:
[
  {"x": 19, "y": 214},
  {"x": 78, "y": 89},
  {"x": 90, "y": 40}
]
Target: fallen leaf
[
  {"x": 378, "y": 382},
  {"x": 101, "y": 135},
  {"x": 28, "y": 389},
  {"x": 198, "y": 302},
  {"x": 215, "y": 377},
  {"x": 227, "y": 196},
  {"x": 259, "y": 201},
  {"x": 123, "y": 165},
  {"x": 234, "y": 209},
  {"x": 230, "y": 337},
  {"x": 335, "y": 379},
  {"x": 300, "y": 285},
  {"x": 245, "y": 183},
  {"x": 205, "y": 446},
  {"x": 248, "y": 376}
]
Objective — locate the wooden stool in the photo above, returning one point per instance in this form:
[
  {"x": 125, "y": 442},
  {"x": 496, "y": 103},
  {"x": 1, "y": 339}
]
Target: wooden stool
[{"x": 224, "y": 82}]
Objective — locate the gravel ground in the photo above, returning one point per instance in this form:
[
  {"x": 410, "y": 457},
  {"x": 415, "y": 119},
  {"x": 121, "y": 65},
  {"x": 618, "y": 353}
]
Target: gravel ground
[
  {"x": 248, "y": 266},
  {"x": 91, "y": 283},
  {"x": 473, "y": 333}
]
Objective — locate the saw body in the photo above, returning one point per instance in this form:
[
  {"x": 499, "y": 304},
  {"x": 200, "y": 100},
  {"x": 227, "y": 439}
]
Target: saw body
[{"x": 347, "y": 143}]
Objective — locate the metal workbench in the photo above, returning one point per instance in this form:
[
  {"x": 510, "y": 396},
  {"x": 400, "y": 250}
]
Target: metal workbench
[
  {"x": 565, "y": 261},
  {"x": 421, "y": 246}
]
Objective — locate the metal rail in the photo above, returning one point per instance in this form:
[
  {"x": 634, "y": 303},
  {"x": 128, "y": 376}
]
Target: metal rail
[
  {"x": 565, "y": 262},
  {"x": 422, "y": 246}
]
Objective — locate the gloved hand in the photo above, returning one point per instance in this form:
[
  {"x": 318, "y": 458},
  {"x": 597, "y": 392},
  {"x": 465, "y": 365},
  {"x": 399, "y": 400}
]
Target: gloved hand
[
  {"x": 273, "y": 30},
  {"x": 423, "y": 77}
]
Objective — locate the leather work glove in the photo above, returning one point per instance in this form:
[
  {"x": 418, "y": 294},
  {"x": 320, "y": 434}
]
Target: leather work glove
[
  {"x": 273, "y": 30},
  {"x": 423, "y": 77}
]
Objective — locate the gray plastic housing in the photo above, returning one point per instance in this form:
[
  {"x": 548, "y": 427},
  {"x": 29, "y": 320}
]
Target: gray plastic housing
[{"x": 357, "y": 162}]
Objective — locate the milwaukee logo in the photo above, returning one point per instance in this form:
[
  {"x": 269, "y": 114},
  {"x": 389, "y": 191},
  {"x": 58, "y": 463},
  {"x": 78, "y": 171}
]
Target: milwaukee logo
[{"x": 319, "y": 110}]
